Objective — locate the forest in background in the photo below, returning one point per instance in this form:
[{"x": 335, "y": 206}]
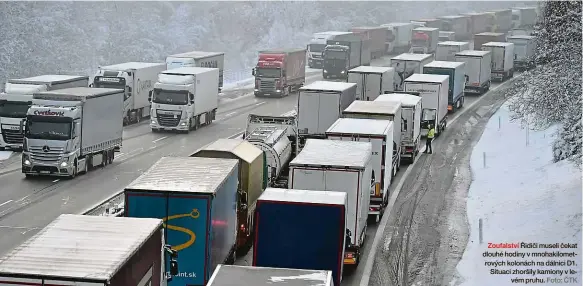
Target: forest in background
[{"x": 75, "y": 37}]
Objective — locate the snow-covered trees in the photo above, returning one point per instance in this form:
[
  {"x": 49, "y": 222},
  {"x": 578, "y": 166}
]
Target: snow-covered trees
[{"x": 551, "y": 93}]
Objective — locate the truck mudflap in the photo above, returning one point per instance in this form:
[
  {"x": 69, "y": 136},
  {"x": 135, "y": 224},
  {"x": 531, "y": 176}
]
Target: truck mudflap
[{"x": 352, "y": 252}]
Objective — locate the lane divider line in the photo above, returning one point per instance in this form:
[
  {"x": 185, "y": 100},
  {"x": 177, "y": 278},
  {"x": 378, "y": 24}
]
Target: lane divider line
[{"x": 159, "y": 139}]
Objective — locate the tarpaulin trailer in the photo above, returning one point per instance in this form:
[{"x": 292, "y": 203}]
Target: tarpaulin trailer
[
  {"x": 371, "y": 81},
  {"x": 434, "y": 90},
  {"x": 231, "y": 275},
  {"x": 502, "y": 59},
  {"x": 446, "y": 50},
  {"x": 478, "y": 65}
]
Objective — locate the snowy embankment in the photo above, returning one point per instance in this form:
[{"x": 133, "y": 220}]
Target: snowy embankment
[
  {"x": 519, "y": 196},
  {"x": 5, "y": 155}
]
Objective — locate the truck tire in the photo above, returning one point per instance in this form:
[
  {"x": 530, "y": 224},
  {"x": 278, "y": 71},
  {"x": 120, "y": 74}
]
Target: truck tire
[
  {"x": 72, "y": 176},
  {"x": 462, "y": 101}
]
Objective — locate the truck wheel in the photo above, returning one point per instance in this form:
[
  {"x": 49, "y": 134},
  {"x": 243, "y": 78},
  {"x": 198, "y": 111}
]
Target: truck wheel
[
  {"x": 104, "y": 158},
  {"x": 74, "y": 174},
  {"x": 111, "y": 156},
  {"x": 462, "y": 101}
]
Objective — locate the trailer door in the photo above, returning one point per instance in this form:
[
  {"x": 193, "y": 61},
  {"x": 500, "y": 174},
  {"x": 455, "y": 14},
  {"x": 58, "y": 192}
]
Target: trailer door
[
  {"x": 497, "y": 58},
  {"x": 308, "y": 112},
  {"x": 358, "y": 78},
  {"x": 373, "y": 86},
  {"x": 346, "y": 181},
  {"x": 329, "y": 107},
  {"x": 305, "y": 178}
]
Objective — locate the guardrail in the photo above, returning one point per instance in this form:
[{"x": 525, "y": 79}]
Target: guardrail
[{"x": 112, "y": 206}]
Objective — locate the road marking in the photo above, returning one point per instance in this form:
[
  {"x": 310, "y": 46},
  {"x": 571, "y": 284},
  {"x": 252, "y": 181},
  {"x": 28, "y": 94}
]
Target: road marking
[
  {"x": 260, "y": 103},
  {"x": 364, "y": 280},
  {"x": 229, "y": 114},
  {"x": 119, "y": 155},
  {"x": 6, "y": 202},
  {"x": 55, "y": 180},
  {"x": 159, "y": 139}
]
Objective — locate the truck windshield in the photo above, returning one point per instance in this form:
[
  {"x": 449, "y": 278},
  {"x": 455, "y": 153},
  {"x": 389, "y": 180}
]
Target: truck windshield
[
  {"x": 14, "y": 109},
  {"x": 418, "y": 42},
  {"x": 268, "y": 72},
  {"x": 317, "y": 48},
  {"x": 107, "y": 84},
  {"x": 48, "y": 130},
  {"x": 335, "y": 55},
  {"x": 170, "y": 97}
]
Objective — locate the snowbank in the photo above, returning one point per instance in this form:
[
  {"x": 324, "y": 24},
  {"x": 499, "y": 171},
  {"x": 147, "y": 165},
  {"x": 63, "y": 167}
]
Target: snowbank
[
  {"x": 4, "y": 155},
  {"x": 520, "y": 196}
]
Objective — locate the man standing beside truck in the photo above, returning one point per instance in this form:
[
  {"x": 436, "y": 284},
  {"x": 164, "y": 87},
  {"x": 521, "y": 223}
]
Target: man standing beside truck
[{"x": 430, "y": 135}]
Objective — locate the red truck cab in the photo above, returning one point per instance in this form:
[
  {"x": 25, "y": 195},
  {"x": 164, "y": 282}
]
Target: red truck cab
[{"x": 279, "y": 72}]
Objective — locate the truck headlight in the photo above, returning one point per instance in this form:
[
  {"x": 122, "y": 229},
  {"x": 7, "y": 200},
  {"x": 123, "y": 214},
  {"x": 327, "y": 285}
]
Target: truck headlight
[
  {"x": 325, "y": 71},
  {"x": 342, "y": 72},
  {"x": 64, "y": 164},
  {"x": 26, "y": 162},
  {"x": 153, "y": 122},
  {"x": 278, "y": 90}
]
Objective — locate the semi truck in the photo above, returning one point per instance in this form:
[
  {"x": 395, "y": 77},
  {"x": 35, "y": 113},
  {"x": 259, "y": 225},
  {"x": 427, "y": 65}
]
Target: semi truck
[
  {"x": 17, "y": 98},
  {"x": 184, "y": 99},
  {"x": 137, "y": 80},
  {"x": 446, "y": 50},
  {"x": 433, "y": 90},
  {"x": 424, "y": 40},
  {"x": 338, "y": 166},
  {"x": 428, "y": 23},
  {"x": 343, "y": 53},
  {"x": 381, "y": 111},
  {"x": 459, "y": 24},
  {"x": 479, "y": 22},
  {"x": 486, "y": 37},
  {"x": 319, "y": 105},
  {"x": 524, "y": 17},
  {"x": 316, "y": 47},
  {"x": 398, "y": 37},
  {"x": 279, "y": 72},
  {"x": 501, "y": 20},
  {"x": 380, "y": 134},
  {"x": 284, "y": 217},
  {"x": 371, "y": 81},
  {"x": 198, "y": 59},
  {"x": 376, "y": 36},
  {"x": 196, "y": 199},
  {"x": 524, "y": 47},
  {"x": 410, "y": 127},
  {"x": 91, "y": 250},
  {"x": 252, "y": 181},
  {"x": 478, "y": 70},
  {"x": 230, "y": 275},
  {"x": 457, "y": 81},
  {"x": 502, "y": 59},
  {"x": 407, "y": 64},
  {"x": 70, "y": 131},
  {"x": 446, "y": 36}
]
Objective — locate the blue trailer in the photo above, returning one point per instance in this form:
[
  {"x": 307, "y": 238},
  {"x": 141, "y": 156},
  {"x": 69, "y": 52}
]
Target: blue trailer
[
  {"x": 196, "y": 198},
  {"x": 300, "y": 229},
  {"x": 457, "y": 81}
]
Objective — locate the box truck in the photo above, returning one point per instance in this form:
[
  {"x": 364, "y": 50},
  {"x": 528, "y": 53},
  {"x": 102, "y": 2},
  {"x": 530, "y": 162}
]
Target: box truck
[
  {"x": 424, "y": 40},
  {"x": 433, "y": 90},
  {"x": 410, "y": 127},
  {"x": 479, "y": 22},
  {"x": 459, "y": 24},
  {"x": 198, "y": 59},
  {"x": 196, "y": 198},
  {"x": 478, "y": 66},
  {"x": 17, "y": 98},
  {"x": 184, "y": 99},
  {"x": 429, "y": 23},
  {"x": 371, "y": 81},
  {"x": 501, "y": 21},
  {"x": 279, "y": 72},
  {"x": 90, "y": 250},
  {"x": 446, "y": 50},
  {"x": 320, "y": 104},
  {"x": 338, "y": 166},
  {"x": 285, "y": 217},
  {"x": 524, "y": 17},
  {"x": 230, "y": 275},
  {"x": 345, "y": 52},
  {"x": 376, "y": 36},
  {"x": 446, "y": 36},
  {"x": 502, "y": 59},
  {"x": 398, "y": 37},
  {"x": 380, "y": 134},
  {"x": 69, "y": 131},
  {"x": 316, "y": 47},
  {"x": 137, "y": 80},
  {"x": 407, "y": 64},
  {"x": 524, "y": 48},
  {"x": 486, "y": 37},
  {"x": 252, "y": 181},
  {"x": 457, "y": 81},
  {"x": 381, "y": 111}
]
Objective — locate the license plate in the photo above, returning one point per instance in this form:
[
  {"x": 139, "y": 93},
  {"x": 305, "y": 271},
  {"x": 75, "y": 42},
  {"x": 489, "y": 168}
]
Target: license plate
[{"x": 45, "y": 172}]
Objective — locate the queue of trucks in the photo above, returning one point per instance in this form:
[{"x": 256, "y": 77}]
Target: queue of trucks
[{"x": 324, "y": 168}]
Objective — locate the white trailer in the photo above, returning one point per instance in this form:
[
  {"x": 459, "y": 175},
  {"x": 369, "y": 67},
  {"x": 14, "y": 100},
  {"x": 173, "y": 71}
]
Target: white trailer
[
  {"x": 338, "y": 166},
  {"x": 198, "y": 59},
  {"x": 137, "y": 79},
  {"x": 524, "y": 47},
  {"x": 380, "y": 134},
  {"x": 446, "y": 36},
  {"x": 502, "y": 59},
  {"x": 457, "y": 81},
  {"x": 524, "y": 17},
  {"x": 411, "y": 108},
  {"x": 320, "y": 104},
  {"x": 459, "y": 24},
  {"x": 371, "y": 81},
  {"x": 407, "y": 64},
  {"x": 433, "y": 90},
  {"x": 185, "y": 99},
  {"x": 446, "y": 50},
  {"x": 398, "y": 37},
  {"x": 478, "y": 70},
  {"x": 381, "y": 111},
  {"x": 424, "y": 40}
]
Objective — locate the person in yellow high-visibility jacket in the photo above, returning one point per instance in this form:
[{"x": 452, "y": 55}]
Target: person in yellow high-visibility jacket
[{"x": 430, "y": 135}]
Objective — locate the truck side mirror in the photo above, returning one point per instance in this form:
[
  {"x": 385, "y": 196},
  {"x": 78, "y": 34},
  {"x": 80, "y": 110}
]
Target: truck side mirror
[
  {"x": 191, "y": 97},
  {"x": 150, "y": 95},
  {"x": 253, "y": 72},
  {"x": 22, "y": 125}
]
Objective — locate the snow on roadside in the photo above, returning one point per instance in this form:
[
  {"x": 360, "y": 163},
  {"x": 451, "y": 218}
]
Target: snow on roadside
[
  {"x": 4, "y": 155},
  {"x": 521, "y": 196}
]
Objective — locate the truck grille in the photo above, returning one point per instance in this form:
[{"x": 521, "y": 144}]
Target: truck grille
[
  {"x": 168, "y": 119},
  {"x": 12, "y": 136},
  {"x": 267, "y": 85},
  {"x": 53, "y": 155}
]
